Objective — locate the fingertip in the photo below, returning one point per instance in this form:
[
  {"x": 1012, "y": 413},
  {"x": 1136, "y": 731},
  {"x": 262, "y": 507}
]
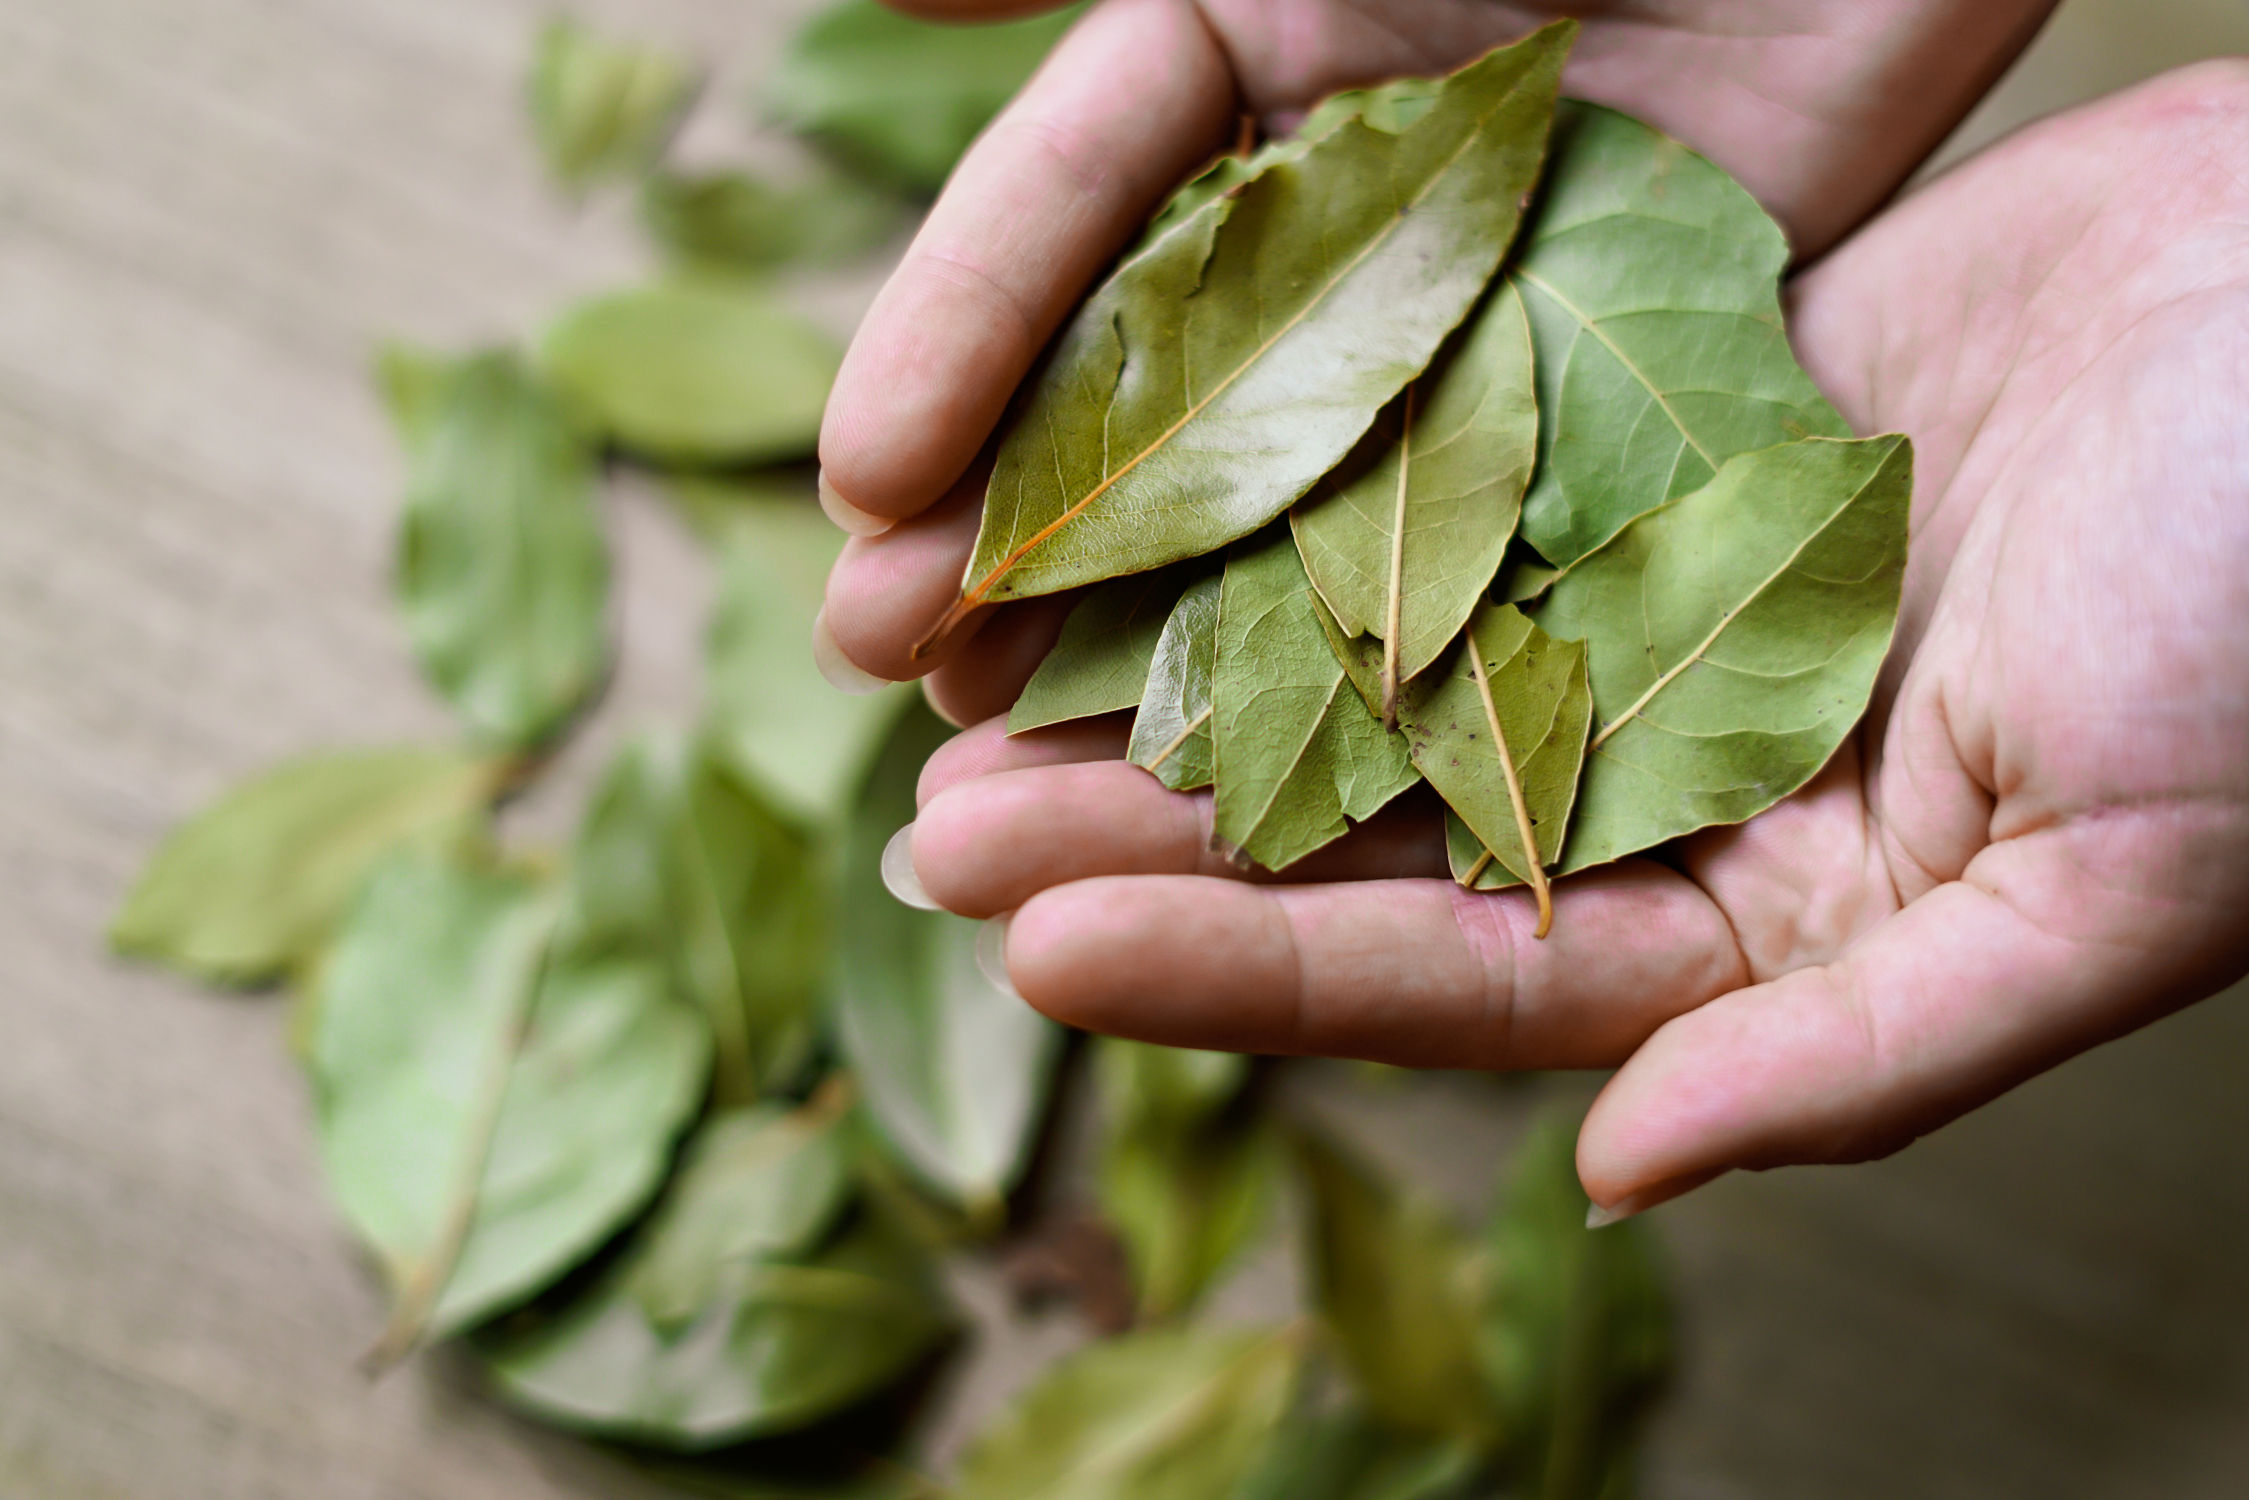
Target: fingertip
[
  {"x": 835, "y": 664},
  {"x": 983, "y": 679},
  {"x": 986, "y": 749},
  {"x": 887, "y": 591},
  {"x": 847, "y": 516}
]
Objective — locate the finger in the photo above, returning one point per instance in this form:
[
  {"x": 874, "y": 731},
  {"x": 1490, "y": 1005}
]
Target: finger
[
  {"x": 1130, "y": 101},
  {"x": 988, "y": 749},
  {"x": 1416, "y": 972},
  {"x": 885, "y": 591},
  {"x": 986, "y": 675}
]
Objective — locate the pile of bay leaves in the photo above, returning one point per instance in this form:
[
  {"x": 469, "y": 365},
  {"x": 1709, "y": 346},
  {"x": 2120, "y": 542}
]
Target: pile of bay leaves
[
  {"x": 676, "y": 1131},
  {"x": 1568, "y": 536}
]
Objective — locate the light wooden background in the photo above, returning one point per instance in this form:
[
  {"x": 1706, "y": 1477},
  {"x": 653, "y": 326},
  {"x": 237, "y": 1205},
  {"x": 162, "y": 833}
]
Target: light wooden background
[{"x": 209, "y": 209}]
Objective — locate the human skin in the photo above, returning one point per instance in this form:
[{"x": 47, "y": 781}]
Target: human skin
[{"x": 2035, "y": 843}]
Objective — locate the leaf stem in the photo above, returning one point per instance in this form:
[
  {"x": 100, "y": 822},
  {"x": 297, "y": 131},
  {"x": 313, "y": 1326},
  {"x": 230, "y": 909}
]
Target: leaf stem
[
  {"x": 1397, "y": 572},
  {"x": 1534, "y": 868},
  {"x": 1476, "y": 870}
]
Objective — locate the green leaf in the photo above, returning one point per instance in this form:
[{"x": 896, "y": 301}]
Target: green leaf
[
  {"x": 250, "y": 888},
  {"x": 1171, "y": 733},
  {"x": 955, "y": 1069},
  {"x": 679, "y": 864},
  {"x": 1652, "y": 280},
  {"x": 1186, "y": 1176},
  {"x": 488, "y": 1113},
  {"x": 781, "y": 1342},
  {"x": 1397, "y": 1287},
  {"x": 1576, "y": 1333},
  {"x": 694, "y": 370},
  {"x": 1733, "y": 638},
  {"x": 1100, "y": 662},
  {"x": 1344, "y": 1455},
  {"x": 900, "y": 99},
  {"x": 1230, "y": 364},
  {"x": 1403, "y": 539},
  {"x": 737, "y": 222},
  {"x": 503, "y": 573},
  {"x": 781, "y": 724},
  {"x": 1176, "y": 1413},
  {"x": 1295, "y": 752},
  {"x": 602, "y": 109}
]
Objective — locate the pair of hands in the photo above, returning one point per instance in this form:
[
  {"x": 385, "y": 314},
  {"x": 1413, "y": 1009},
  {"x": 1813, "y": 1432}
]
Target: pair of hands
[{"x": 2037, "y": 841}]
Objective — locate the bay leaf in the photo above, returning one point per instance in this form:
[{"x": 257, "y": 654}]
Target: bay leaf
[
  {"x": 1323, "y": 1454},
  {"x": 955, "y": 1069},
  {"x": 250, "y": 888},
  {"x": 737, "y": 222},
  {"x": 1652, "y": 280},
  {"x": 1100, "y": 662},
  {"x": 1163, "y": 1414},
  {"x": 777, "y": 721},
  {"x": 600, "y": 108},
  {"x": 1186, "y": 1175},
  {"x": 1398, "y": 1288},
  {"x": 1171, "y": 733},
  {"x": 1575, "y": 1335},
  {"x": 488, "y": 1112},
  {"x": 1296, "y": 755},
  {"x": 503, "y": 572},
  {"x": 695, "y": 370},
  {"x": 1220, "y": 372},
  {"x": 900, "y": 99},
  {"x": 1733, "y": 638},
  {"x": 1402, "y": 540}
]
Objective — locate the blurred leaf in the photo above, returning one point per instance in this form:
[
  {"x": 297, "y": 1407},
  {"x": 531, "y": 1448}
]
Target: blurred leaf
[
  {"x": 694, "y": 370},
  {"x": 503, "y": 573},
  {"x": 1397, "y": 1286},
  {"x": 1168, "y": 1414},
  {"x": 737, "y": 222},
  {"x": 900, "y": 99},
  {"x": 602, "y": 109},
  {"x": 1186, "y": 1178},
  {"x": 1575, "y": 1336},
  {"x": 955, "y": 1069},
  {"x": 1100, "y": 662},
  {"x": 488, "y": 1111},
  {"x": 250, "y": 888},
  {"x": 1171, "y": 733},
  {"x": 679, "y": 863},
  {"x": 1344, "y": 1455},
  {"x": 775, "y": 718}
]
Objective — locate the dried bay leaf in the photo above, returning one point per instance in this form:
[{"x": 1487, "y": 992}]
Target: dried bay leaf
[
  {"x": 1296, "y": 755},
  {"x": 1175, "y": 1413},
  {"x": 694, "y": 370},
  {"x": 602, "y": 109},
  {"x": 503, "y": 572},
  {"x": 250, "y": 888},
  {"x": 1652, "y": 283},
  {"x": 1171, "y": 733},
  {"x": 1233, "y": 361},
  {"x": 1733, "y": 638},
  {"x": 1100, "y": 662},
  {"x": 737, "y": 222},
  {"x": 1402, "y": 540}
]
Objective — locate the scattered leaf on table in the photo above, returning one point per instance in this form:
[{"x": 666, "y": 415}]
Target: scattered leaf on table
[
  {"x": 900, "y": 99},
  {"x": 503, "y": 573},
  {"x": 1171, "y": 733},
  {"x": 1186, "y": 1177},
  {"x": 250, "y": 888},
  {"x": 1322, "y": 1454},
  {"x": 488, "y": 1112},
  {"x": 1403, "y": 539},
  {"x": 1296, "y": 755},
  {"x": 679, "y": 864},
  {"x": 602, "y": 109},
  {"x": 1397, "y": 1286},
  {"x": 737, "y": 222},
  {"x": 955, "y": 1069},
  {"x": 694, "y": 370},
  {"x": 780, "y": 723},
  {"x": 1100, "y": 662},
  {"x": 1227, "y": 366},
  {"x": 1733, "y": 638},
  {"x": 1575, "y": 1335},
  {"x": 1167, "y": 1414},
  {"x": 1652, "y": 280}
]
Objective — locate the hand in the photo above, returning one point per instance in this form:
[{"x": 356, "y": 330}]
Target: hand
[
  {"x": 1820, "y": 106},
  {"x": 2038, "y": 840}
]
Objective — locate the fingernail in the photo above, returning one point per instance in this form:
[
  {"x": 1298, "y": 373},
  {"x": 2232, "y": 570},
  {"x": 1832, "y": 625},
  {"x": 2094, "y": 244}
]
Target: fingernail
[
  {"x": 1597, "y": 1217},
  {"x": 843, "y": 674},
  {"x": 850, "y": 517},
  {"x": 898, "y": 871},
  {"x": 991, "y": 954}
]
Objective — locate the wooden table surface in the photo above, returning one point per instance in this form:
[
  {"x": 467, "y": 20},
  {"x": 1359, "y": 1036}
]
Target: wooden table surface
[{"x": 209, "y": 211}]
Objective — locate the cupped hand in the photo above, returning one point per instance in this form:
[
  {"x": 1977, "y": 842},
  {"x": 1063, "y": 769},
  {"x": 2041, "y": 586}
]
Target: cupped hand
[{"x": 2037, "y": 841}]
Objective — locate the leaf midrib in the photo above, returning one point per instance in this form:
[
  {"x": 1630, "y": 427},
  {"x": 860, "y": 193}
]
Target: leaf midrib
[{"x": 1592, "y": 326}]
